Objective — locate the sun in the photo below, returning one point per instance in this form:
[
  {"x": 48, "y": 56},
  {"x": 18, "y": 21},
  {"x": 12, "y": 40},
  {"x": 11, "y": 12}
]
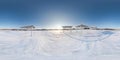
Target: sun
[
  {"x": 57, "y": 19},
  {"x": 58, "y": 26}
]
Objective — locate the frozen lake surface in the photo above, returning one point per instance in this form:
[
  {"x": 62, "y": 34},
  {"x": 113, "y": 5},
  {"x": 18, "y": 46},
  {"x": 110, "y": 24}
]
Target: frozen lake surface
[{"x": 60, "y": 45}]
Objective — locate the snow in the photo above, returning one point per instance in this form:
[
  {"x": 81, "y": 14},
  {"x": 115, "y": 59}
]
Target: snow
[{"x": 60, "y": 45}]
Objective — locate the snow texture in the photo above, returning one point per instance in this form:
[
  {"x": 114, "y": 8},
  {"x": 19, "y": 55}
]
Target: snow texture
[{"x": 60, "y": 45}]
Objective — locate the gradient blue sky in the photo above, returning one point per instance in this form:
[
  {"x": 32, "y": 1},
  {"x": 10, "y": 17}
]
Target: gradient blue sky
[{"x": 53, "y": 13}]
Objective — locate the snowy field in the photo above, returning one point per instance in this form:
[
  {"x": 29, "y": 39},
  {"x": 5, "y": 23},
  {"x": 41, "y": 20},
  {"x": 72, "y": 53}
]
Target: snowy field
[{"x": 60, "y": 45}]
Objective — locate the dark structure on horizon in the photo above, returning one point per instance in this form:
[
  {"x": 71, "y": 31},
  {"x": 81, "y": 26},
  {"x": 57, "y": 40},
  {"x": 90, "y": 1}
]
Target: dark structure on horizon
[
  {"x": 28, "y": 27},
  {"x": 78, "y": 27}
]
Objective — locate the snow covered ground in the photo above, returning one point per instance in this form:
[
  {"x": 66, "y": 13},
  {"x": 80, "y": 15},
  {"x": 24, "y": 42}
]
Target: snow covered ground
[{"x": 60, "y": 45}]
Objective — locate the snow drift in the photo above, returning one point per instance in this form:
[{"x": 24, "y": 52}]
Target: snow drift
[{"x": 59, "y": 45}]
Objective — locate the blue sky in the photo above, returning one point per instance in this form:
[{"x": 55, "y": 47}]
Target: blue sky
[{"x": 55, "y": 13}]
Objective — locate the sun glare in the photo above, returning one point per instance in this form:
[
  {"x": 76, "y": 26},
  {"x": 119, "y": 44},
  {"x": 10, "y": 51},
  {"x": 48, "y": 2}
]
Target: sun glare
[
  {"x": 57, "y": 32},
  {"x": 58, "y": 26},
  {"x": 57, "y": 19}
]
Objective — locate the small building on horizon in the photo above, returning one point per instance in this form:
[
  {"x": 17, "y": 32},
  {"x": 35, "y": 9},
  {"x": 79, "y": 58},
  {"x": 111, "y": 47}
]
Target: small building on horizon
[
  {"x": 67, "y": 27},
  {"x": 79, "y": 27},
  {"x": 85, "y": 27},
  {"x": 28, "y": 27}
]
